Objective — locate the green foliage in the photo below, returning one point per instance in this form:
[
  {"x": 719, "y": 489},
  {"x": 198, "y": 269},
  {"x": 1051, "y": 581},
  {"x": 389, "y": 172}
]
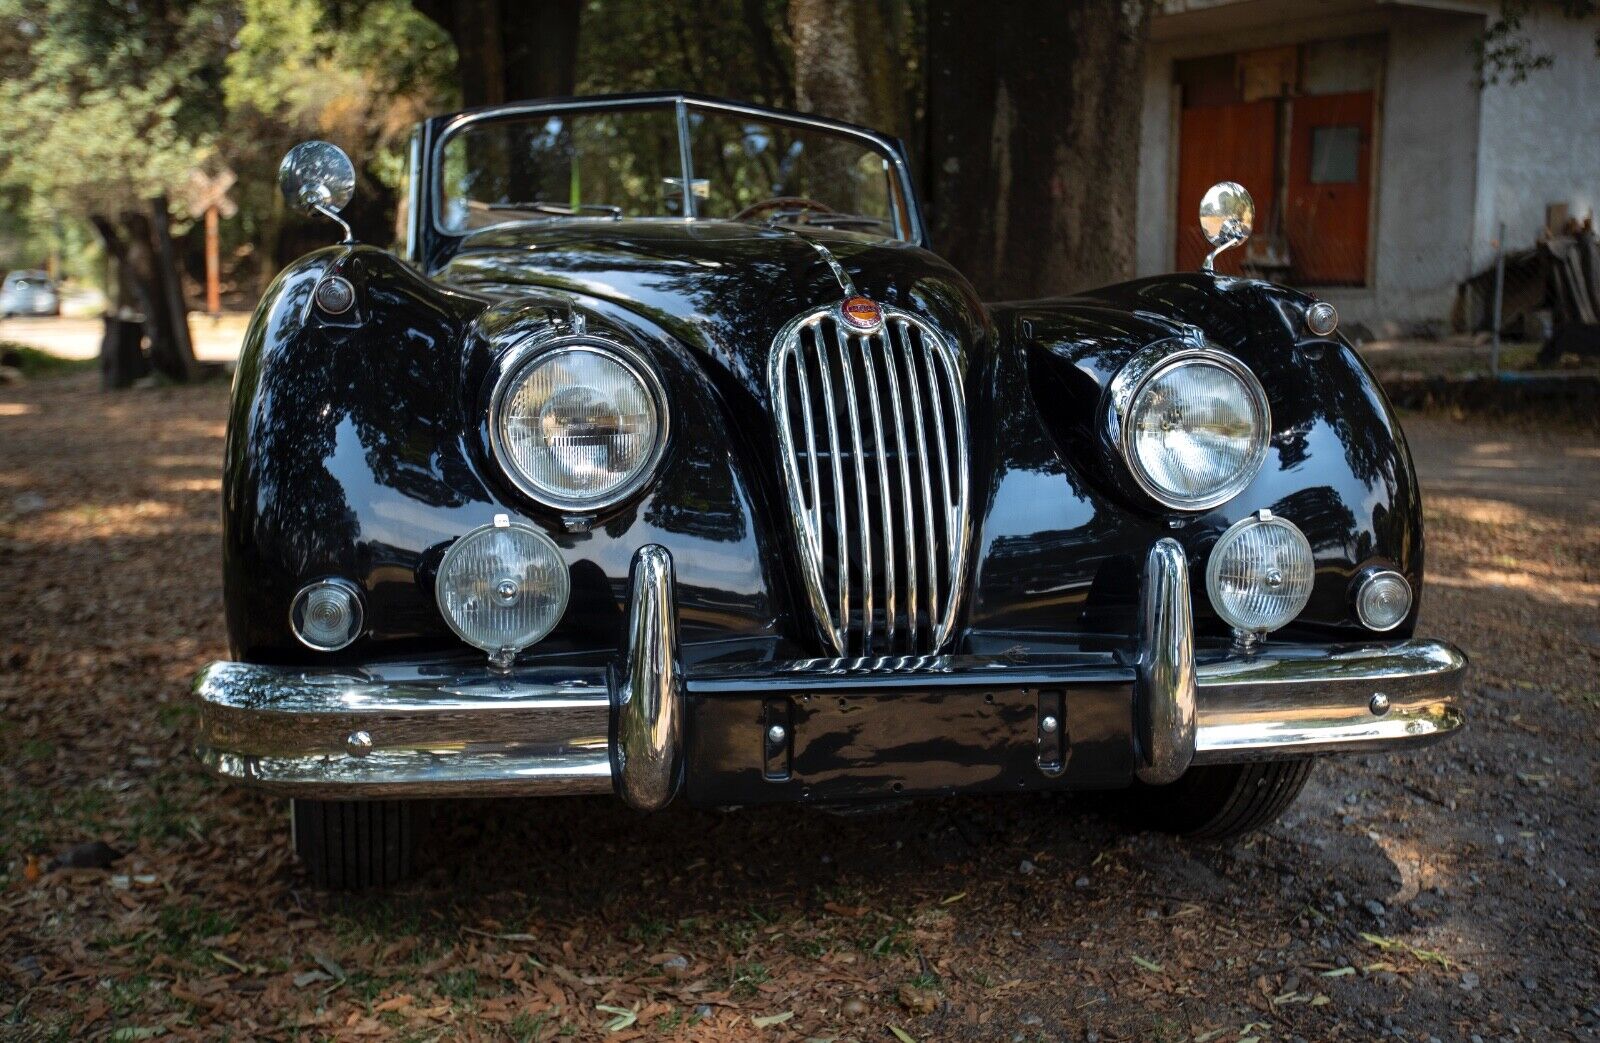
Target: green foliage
[
  {"x": 740, "y": 49},
  {"x": 104, "y": 105},
  {"x": 35, "y": 364}
]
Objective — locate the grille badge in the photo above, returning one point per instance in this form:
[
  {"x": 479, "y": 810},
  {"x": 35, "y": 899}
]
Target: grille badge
[{"x": 861, "y": 314}]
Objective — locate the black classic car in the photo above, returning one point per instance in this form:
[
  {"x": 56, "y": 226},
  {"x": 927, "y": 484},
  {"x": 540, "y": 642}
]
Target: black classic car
[{"x": 662, "y": 458}]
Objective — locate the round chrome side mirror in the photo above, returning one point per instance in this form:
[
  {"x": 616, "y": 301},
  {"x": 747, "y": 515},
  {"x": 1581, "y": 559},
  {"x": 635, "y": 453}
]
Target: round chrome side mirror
[
  {"x": 1227, "y": 215},
  {"x": 317, "y": 177}
]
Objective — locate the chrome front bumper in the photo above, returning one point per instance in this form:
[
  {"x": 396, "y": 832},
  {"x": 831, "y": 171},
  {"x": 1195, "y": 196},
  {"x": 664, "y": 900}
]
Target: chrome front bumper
[{"x": 420, "y": 730}]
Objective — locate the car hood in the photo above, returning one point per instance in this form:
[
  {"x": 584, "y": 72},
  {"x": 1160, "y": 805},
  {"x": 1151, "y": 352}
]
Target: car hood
[{"x": 724, "y": 288}]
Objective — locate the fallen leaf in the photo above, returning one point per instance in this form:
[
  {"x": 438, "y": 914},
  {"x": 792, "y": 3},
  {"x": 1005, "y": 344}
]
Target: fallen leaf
[
  {"x": 772, "y": 1019},
  {"x": 901, "y": 1034},
  {"x": 1149, "y": 965}
]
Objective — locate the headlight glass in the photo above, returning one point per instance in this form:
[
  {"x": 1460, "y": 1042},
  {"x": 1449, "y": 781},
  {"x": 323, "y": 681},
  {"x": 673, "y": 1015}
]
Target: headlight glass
[
  {"x": 579, "y": 425},
  {"x": 1260, "y": 573},
  {"x": 1193, "y": 426},
  {"x": 502, "y": 586}
]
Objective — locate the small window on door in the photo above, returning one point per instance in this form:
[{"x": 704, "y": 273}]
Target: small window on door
[{"x": 1335, "y": 155}]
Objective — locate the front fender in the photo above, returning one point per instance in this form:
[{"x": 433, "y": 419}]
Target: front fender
[
  {"x": 1063, "y": 531},
  {"x": 354, "y": 450}
]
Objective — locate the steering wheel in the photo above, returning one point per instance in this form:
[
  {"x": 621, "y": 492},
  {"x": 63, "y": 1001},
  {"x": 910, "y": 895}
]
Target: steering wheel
[{"x": 782, "y": 203}]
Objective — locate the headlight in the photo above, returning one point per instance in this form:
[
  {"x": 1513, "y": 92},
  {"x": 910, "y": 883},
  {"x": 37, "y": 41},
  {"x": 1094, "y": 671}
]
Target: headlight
[
  {"x": 1191, "y": 423},
  {"x": 1260, "y": 573},
  {"x": 502, "y": 586},
  {"x": 579, "y": 424}
]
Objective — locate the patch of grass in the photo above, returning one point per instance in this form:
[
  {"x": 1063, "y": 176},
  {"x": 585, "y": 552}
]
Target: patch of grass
[
  {"x": 744, "y": 978},
  {"x": 182, "y": 926},
  {"x": 529, "y": 1028},
  {"x": 648, "y": 930},
  {"x": 35, "y": 363},
  {"x": 458, "y": 985},
  {"x": 925, "y": 980}
]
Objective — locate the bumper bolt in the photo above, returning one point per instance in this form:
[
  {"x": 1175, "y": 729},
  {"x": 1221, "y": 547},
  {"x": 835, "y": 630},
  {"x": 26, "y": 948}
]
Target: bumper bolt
[
  {"x": 358, "y": 744},
  {"x": 1379, "y": 705},
  {"x": 1048, "y": 724},
  {"x": 776, "y": 734}
]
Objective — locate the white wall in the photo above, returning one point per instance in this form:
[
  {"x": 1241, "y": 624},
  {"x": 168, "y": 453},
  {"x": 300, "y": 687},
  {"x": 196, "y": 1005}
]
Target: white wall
[
  {"x": 1427, "y": 181},
  {"x": 1541, "y": 139}
]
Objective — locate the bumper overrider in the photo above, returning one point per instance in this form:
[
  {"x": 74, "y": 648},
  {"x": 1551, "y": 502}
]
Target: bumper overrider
[{"x": 820, "y": 729}]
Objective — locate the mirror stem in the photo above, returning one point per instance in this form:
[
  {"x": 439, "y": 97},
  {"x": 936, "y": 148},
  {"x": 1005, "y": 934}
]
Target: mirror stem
[{"x": 350, "y": 237}]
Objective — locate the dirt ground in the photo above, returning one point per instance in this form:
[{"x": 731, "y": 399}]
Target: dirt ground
[{"x": 1449, "y": 894}]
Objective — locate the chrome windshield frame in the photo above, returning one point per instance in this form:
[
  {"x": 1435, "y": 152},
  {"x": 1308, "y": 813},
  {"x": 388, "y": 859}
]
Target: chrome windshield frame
[{"x": 904, "y": 210}]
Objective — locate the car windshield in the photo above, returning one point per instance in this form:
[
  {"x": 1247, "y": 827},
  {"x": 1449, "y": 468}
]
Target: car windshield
[{"x": 629, "y": 162}]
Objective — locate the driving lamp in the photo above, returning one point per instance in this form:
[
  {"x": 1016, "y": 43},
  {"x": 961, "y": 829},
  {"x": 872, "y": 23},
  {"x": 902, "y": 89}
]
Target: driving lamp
[
  {"x": 327, "y": 615},
  {"x": 1383, "y": 600},
  {"x": 1260, "y": 573},
  {"x": 579, "y": 425},
  {"x": 1191, "y": 423},
  {"x": 501, "y": 587}
]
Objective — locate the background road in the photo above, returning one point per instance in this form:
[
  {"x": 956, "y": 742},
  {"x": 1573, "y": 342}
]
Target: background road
[{"x": 1451, "y": 893}]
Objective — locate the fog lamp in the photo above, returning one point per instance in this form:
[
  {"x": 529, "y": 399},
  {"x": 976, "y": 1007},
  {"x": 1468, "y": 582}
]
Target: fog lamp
[
  {"x": 501, "y": 587},
  {"x": 327, "y": 615},
  {"x": 1383, "y": 600},
  {"x": 1260, "y": 573}
]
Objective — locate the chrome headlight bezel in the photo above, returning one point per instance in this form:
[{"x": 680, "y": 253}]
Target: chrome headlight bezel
[
  {"x": 515, "y": 363},
  {"x": 1155, "y": 361}
]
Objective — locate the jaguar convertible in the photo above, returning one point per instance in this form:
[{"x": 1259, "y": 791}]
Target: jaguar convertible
[{"x": 662, "y": 457}]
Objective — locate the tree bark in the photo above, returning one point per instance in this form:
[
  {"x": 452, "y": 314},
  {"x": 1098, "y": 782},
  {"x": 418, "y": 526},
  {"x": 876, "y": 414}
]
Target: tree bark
[
  {"x": 171, "y": 350},
  {"x": 122, "y": 359},
  {"x": 844, "y": 64},
  {"x": 1033, "y": 140},
  {"x": 510, "y": 50}
]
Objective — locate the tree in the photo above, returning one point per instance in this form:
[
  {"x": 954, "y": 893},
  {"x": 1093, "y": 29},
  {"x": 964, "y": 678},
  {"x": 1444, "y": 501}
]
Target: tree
[
  {"x": 1033, "y": 140},
  {"x": 104, "y": 111},
  {"x": 510, "y": 50},
  {"x": 360, "y": 74}
]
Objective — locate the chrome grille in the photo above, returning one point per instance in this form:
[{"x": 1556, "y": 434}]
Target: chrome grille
[{"x": 872, "y": 429}]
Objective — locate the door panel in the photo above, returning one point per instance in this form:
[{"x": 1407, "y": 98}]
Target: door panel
[
  {"x": 1330, "y": 188},
  {"x": 1222, "y": 143}
]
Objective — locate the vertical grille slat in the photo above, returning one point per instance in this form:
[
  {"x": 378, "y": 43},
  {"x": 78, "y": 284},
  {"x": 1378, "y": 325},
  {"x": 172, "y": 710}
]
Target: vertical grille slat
[{"x": 895, "y": 414}]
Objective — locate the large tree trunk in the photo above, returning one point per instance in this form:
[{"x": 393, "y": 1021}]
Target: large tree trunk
[
  {"x": 1033, "y": 140},
  {"x": 148, "y": 301},
  {"x": 844, "y": 63},
  {"x": 122, "y": 359},
  {"x": 510, "y": 50}
]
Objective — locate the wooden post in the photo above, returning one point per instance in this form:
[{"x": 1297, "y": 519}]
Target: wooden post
[{"x": 213, "y": 264}]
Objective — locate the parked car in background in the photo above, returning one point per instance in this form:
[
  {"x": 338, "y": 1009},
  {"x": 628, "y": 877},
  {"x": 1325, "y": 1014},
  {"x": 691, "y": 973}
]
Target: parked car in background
[
  {"x": 28, "y": 293},
  {"x": 664, "y": 459}
]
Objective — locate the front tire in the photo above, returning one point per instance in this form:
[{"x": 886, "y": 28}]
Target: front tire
[
  {"x": 355, "y": 845},
  {"x": 1220, "y": 801}
]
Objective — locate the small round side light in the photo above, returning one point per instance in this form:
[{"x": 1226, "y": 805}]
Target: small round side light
[
  {"x": 335, "y": 295},
  {"x": 327, "y": 615},
  {"x": 1322, "y": 319},
  {"x": 1383, "y": 600}
]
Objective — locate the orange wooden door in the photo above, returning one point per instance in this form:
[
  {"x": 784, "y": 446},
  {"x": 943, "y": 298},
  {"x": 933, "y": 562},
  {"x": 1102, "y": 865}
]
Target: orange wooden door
[
  {"x": 1223, "y": 143},
  {"x": 1330, "y": 188}
]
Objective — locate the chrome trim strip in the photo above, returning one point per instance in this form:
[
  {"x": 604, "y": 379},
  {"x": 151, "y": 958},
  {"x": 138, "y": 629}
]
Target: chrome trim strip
[
  {"x": 433, "y": 732},
  {"x": 1265, "y": 707},
  {"x": 836, "y": 466},
  {"x": 858, "y": 452},
  {"x": 1164, "y": 679},
  {"x": 891, "y": 368},
  {"x": 908, "y": 355},
  {"x": 649, "y": 751},
  {"x": 886, "y": 516}
]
